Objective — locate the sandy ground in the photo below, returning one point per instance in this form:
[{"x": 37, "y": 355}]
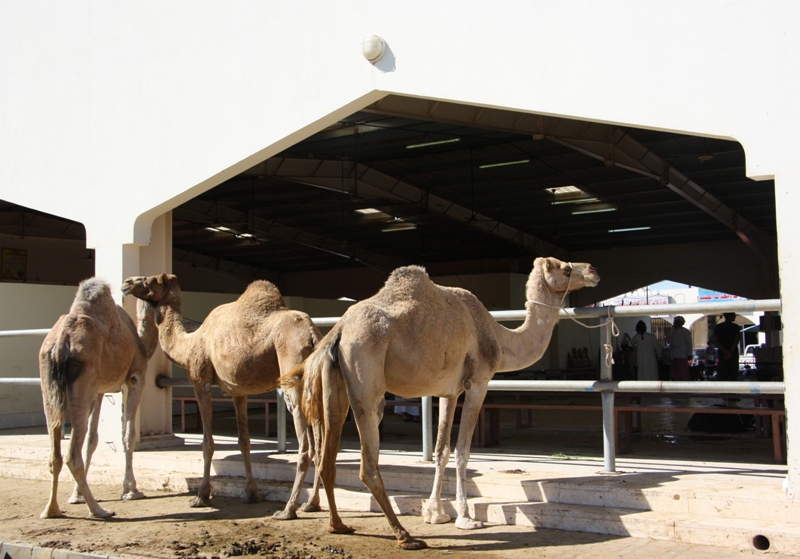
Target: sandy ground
[{"x": 164, "y": 526}]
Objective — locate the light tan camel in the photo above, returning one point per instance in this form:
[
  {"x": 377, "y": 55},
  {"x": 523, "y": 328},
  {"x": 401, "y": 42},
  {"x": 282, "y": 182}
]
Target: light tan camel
[
  {"x": 94, "y": 349},
  {"x": 243, "y": 347},
  {"x": 415, "y": 338}
]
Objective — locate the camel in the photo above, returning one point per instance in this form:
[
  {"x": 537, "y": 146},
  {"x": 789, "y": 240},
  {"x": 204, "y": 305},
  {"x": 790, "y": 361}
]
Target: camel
[
  {"x": 94, "y": 349},
  {"x": 415, "y": 338},
  {"x": 243, "y": 347}
]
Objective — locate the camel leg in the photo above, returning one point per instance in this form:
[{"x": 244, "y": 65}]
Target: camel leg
[
  {"x": 304, "y": 456},
  {"x": 55, "y": 423},
  {"x": 473, "y": 399},
  {"x": 203, "y": 397},
  {"x": 134, "y": 397},
  {"x": 367, "y": 422},
  {"x": 432, "y": 510},
  {"x": 312, "y": 505},
  {"x": 81, "y": 407},
  {"x": 251, "y": 494},
  {"x": 336, "y": 408},
  {"x": 91, "y": 445}
]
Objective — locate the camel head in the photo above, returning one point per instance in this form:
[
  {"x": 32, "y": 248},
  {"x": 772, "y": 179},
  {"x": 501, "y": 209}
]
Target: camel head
[
  {"x": 562, "y": 277},
  {"x": 151, "y": 288}
]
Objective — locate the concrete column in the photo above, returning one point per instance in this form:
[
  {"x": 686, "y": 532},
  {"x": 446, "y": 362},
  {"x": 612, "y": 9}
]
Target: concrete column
[
  {"x": 114, "y": 262},
  {"x": 787, "y": 200},
  {"x": 155, "y": 411}
]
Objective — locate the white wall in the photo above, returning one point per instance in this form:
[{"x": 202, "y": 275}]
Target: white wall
[
  {"x": 166, "y": 100},
  {"x": 26, "y": 307}
]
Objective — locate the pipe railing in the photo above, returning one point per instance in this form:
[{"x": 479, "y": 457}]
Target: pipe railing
[{"x": 605, "y": 386}]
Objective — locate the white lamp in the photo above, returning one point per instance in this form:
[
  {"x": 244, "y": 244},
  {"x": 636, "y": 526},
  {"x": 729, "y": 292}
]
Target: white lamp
[{"x": 373, "y": 48}]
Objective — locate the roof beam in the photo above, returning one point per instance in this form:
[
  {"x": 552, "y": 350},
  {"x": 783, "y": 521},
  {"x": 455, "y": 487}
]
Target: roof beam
[
  {"x": 358, "y": 179},
  {"x": 217, "y": 213},
  {"x": 608, "y": 143}
]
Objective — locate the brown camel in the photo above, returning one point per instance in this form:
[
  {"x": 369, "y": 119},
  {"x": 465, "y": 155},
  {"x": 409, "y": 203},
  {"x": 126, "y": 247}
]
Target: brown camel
[
  {"x": 243, "y": 347},
  {"x": 94, "y": 349},
  {"x": 415, "y": 338}
]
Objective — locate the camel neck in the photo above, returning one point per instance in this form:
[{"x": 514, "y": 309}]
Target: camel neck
[
  {"x": 146, "y": 326},
  {"x": 171, "y": 332},
  {"x": 523, "y": 346}
]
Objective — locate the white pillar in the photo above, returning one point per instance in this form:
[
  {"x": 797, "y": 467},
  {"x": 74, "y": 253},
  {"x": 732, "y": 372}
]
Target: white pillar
[
  {"x": 787, "y": 200},
  {"x": 114, "y": 262},
  {"x": 155, "y": 411}
]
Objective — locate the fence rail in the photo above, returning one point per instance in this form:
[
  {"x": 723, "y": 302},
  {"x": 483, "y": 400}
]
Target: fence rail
[{"x": 606, "y": 386}]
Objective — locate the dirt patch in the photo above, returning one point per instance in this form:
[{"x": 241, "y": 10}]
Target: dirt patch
[{"x": 163, "y": 526}]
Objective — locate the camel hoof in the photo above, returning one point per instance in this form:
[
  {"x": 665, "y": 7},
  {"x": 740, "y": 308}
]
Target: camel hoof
[
  {"x": 51, "y": 513},
  {"x": 467, "y": 523},
  {"x": 285, "y": 515},
  {"x": 76, "y": 499},
  {"x": 132, "y": 495},
  {"x": 435, "y": 517},
  {"x": 200, "y": 502},
  {"x": 311, "y": 507},
  {"x": 341, "y": 529},
  {"x": 103, "y": 513},
  {"x": 412, "y": 544},
  {"x": 251, "y": 498}
]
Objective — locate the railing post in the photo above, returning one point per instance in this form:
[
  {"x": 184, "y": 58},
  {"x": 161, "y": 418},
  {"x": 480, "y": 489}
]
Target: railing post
[
  {"x": 427, "y": 428},
  {"x": 607, "y": 399},
  {"x": 281, "y": 405}
]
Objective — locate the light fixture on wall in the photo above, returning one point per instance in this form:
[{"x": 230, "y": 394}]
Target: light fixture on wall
[
  {"x": 629, "y": 229},
  {"x": 433, "y": 143},
  {"x": 594, "y": 208},
  {"x": 373, "y": 48},
  {"x": 399, "y": 224},
  {"x": 504, "y": 163}
]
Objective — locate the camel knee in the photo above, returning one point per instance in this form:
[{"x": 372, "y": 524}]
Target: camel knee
[
  {"x": 372, "y": 479},
  {"x": 76, "y": 467},
  {"x": 74, "y": 460},
  {"x": 56, "y": 463},
  {"x": 441, "y": 454},
  {"x": 94, "y": 439},
  {"x": 304, "y": 461}
]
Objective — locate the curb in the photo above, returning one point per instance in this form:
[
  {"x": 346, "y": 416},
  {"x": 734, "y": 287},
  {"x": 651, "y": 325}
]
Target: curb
[{"x": 23, "y": 551}]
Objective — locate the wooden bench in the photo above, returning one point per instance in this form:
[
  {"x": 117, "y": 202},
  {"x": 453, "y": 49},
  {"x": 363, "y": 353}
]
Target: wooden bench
[
  {"x": 624, "y": 415},
  {"x": 184, "y": 399},
  {"x": 777, "y": 422}
]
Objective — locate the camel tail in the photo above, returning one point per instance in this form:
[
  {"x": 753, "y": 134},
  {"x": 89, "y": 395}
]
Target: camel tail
[
  {"x": 319, "y": 364},
  {"x": 57, "y": 373}
]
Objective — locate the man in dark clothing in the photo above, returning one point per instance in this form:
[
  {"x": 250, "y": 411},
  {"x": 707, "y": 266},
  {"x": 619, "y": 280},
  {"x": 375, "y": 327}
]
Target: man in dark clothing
[{"x": 726, "y": 337}]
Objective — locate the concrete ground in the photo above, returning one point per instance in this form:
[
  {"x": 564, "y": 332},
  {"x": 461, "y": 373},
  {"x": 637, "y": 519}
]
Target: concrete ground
[{"x": 678, "y": 494}]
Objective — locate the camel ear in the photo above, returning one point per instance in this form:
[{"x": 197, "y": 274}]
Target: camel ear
[{"x": 163, "y": 278}]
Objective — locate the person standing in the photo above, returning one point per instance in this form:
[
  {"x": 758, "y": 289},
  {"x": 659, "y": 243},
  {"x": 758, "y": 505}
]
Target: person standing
[
  {"x": 711, "y": 359},
  {"x": 680, "y": 350},
  {"x": 727, "y": 335},
  {"x": 648, "y": 352}
]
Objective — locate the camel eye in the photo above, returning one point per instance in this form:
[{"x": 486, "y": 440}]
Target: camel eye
[{"x": 567, "y": 271}]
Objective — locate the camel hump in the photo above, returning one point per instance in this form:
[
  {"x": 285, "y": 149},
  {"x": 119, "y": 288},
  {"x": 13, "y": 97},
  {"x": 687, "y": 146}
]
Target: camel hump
[
  {"x": 406, "y": 282},
  {"x": 92, "y": 293},
  {"x": 263, "y": 295}
]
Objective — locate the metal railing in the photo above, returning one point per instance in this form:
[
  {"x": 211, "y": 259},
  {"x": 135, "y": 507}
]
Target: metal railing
[{"x": 606, "y": 386}]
